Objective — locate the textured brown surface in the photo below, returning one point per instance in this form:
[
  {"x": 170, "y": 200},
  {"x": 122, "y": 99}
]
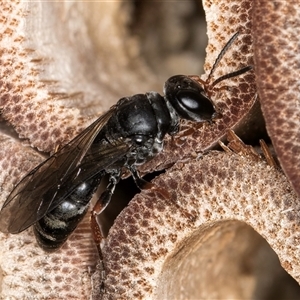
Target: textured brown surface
[
  {"x": 276, "y": 28},
  {"x": 149, "y": 250},
  {"x": 26, "y": 270},
  {"x": 218, "y": 187},
  {"x": 62, "y": 64},
  {"x": 16, "y": 166},
  {"x": 48, "y": 91},
  {"x": 24, "y": 99},
  {"x": 66, "y": 62},
  {"x": 53, "y": 81},
  {"x": 29, "y": 273}
]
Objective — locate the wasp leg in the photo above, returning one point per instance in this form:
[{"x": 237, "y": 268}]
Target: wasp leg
[
  {"x": 141, "y": 183},
  {"x": 99, "y": 207},
  {"x": 97, "y": 232}
]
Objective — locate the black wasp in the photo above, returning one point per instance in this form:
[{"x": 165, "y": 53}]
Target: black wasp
[{"x": 55, "y": 195}]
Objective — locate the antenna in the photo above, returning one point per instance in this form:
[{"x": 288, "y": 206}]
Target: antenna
[
  {"x": 232, "y": 74},
  {"x": 221, "y": 54}
]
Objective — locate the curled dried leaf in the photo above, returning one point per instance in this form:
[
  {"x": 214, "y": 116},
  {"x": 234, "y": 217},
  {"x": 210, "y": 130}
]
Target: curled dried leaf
[
  {"x": 276, "y": 31},
  {"x": 160, "y": 247}
]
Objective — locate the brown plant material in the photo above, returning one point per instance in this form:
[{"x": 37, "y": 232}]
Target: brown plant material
[
  {"x": 26, "y": 271},
  {"x": 276, "y": 31},
  {"x": 164, "y": 248},
  {"x": 53, "y": 82},
  {"x": 188, "y": 245},
  {"x": 26, "y": 98},
  {"x": 62, "y": 64}
]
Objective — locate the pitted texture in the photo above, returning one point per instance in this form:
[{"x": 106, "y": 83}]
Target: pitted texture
[
  {"x": 25, "y": 100},
  {"x": 234, "y": 98},
  {"x": 20, "y": 255},
  {"x": 218, "y": 187},
  {"x": 64, "y": 274},
  {"x": 277, "y": 56},
  {"x": 43, "y": 100},
  {"x": 13, "y": 169}
]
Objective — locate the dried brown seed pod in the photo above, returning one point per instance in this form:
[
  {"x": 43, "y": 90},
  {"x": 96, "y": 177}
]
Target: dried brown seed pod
[
  {"x": 187, "y": 245},
  {"x": 53, "y": 82},
  {"x": 26, "y": 270},
  {"x": 276, "y": 31}
]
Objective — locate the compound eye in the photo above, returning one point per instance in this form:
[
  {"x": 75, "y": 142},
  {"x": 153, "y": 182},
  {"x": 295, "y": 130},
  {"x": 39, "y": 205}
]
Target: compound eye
[
  {"x": 188, "y": 98},
  {"x": 190, "y": 101},
  {"x": 194, "y": 106}
]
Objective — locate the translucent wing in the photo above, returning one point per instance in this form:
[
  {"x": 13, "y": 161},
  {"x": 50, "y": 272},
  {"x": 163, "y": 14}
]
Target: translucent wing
[
  {"x": 49, "y": 183},
  {"x": 93, "y": 164}
]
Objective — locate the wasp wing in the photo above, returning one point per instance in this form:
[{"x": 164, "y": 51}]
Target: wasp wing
[
  {"x": 94, "y": 164},
  {"x": 41, "y": 189}
]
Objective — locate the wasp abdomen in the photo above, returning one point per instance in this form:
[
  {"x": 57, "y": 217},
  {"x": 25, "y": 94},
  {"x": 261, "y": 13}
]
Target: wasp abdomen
[{"x": 55, "y": 227}]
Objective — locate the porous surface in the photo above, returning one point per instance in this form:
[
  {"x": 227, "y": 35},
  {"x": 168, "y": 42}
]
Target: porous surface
[
  {"x": 26, "y": 100},
  {"x": 27, "y": 272},
  {"x": 30, "y": 273},
  {"x": 63, "y": 64},
  {"x": 188, "y": 224},
  {"x": 49, "y": 91},
  {"x": 276, "y": 28}
]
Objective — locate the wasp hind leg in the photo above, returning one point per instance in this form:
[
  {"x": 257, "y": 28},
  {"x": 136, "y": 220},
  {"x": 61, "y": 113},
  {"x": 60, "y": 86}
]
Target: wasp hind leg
[
  {"x": 100, "y": 206},
  {"x": 143, "y": 184},
  {"x": 97, "y": 231}
]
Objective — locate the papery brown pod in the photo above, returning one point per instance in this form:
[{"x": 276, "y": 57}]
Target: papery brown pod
[
  {"x": 276, "y": 42},
  {"x": 195, "y": 243}
]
